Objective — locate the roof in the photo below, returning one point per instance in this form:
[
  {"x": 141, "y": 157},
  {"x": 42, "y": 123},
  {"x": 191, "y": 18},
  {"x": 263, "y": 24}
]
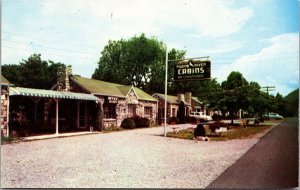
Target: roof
[
  {"x": 174, "y": 100},
  {"x": 104, "y": 88},
  {"x": 4, "y": 81},
  {"x": 170, "y": 99},
  {"x": 196, "y": 100},
  {"x": 15, "y": 91}
]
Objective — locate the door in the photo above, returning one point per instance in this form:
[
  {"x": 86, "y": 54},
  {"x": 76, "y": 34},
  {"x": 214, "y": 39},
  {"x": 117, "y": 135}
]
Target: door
[{"x": 81, "y": 114}]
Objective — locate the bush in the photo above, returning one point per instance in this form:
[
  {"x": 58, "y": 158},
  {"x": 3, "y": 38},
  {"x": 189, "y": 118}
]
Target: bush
[
  {"x": 141, "y": 122},
  {"x": 173, "y": 119},
  {"x": 128, "y": 123},
  {"x": 217, "y": 117},
  {"x": 199, "y": 131},
  {"x": 189, "y": 119},
  {"x": 216, "y": 125}
]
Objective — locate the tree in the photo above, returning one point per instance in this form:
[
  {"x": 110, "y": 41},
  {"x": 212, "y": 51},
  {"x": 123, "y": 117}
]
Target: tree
[
  {"x": 234, "y": 93},
  {"x": 292, "y": 103},
  {"x": 139, "y": 61},
  {"x": 32, "y": 73},
  {"x": 12, "y": 73},
  {"x": 258, "y": 101}
]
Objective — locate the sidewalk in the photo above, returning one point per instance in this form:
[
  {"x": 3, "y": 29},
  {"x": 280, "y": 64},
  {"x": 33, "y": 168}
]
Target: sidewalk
[{"x": 49, "y": 136}]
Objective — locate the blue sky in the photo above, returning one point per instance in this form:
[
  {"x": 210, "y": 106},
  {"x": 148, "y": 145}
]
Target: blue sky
[{"x": 259, "y": 38}]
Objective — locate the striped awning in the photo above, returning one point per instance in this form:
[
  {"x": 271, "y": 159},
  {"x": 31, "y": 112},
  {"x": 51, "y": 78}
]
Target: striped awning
[{"x": 20, "y": 91}]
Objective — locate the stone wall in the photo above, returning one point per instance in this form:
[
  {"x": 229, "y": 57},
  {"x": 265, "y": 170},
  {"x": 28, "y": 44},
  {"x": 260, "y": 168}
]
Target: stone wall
[{"x": 4, "y": 109}]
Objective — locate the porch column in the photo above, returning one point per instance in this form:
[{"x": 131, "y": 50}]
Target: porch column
[
  {"x": 56, "y": 118},
  {"x": 7, "y": 117}
]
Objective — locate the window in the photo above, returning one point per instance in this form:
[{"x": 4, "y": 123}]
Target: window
[
  {"x": 131, "y": 111},
  {"x": 148, "y": 112},
  {"x": 173, "y": 112},
  {"x": 109, "y": 111}
]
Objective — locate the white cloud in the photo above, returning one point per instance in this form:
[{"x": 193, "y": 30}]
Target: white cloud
[
  {"x": 277, "y": 64},
  {"x": 214, "y": 18},
  {"x": 223, "y": 46}
]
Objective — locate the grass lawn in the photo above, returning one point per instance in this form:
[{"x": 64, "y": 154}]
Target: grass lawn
[{"x": 233, "y": 133}]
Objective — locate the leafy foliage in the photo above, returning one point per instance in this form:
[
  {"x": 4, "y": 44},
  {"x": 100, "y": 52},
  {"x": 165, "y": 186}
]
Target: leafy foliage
[
  {"x": 292, "y": 103},
  {"x": 174, "y": 120},
  {"x": 139, "y": 61},
  {"x": 141, "y": 122},
  {"x": 128, "y": 123},
  {"x": 32, "y": 73},
  {"x": 216, "y": 125}
]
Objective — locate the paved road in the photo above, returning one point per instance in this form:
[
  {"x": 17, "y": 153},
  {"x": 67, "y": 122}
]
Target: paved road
[{"x": 271, "y": 163}]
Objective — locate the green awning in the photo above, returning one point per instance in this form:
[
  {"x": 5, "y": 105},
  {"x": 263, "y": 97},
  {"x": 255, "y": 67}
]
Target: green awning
[{"x": 20, "y": 91}]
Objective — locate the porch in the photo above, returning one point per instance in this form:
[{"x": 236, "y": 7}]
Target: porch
[{"x": 35, "y": 112}]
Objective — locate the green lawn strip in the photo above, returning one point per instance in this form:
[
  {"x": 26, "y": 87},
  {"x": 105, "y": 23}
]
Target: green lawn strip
[
  {"x": 9, "y": 140},
  {"x": 233, "y": 133}
]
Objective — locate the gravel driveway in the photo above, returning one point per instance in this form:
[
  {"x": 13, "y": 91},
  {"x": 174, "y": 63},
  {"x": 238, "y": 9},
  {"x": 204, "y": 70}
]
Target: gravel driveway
[{"x": 128, "y": 159}]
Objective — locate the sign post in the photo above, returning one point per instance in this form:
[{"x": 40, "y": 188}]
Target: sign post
[
  {"x": 166, "y": 92},
  {"x": 184, "y": 70}
]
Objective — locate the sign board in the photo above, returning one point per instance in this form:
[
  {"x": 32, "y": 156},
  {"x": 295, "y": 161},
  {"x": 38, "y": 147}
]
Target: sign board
[
  {"x": 192, "y": 70},
  {"x": 111, "y": 100}
]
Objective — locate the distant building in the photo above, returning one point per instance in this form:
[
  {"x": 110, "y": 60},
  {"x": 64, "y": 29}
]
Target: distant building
[{"x": 192, "y": 104}]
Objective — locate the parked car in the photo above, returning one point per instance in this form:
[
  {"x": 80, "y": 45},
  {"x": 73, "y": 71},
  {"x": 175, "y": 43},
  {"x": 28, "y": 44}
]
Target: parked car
[
  {"x": 201, "y": 115},
  {"x": 272, "y": 116}
]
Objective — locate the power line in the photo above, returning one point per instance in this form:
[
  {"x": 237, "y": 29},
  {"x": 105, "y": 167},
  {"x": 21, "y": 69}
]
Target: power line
[
  {"x": 46, "y": 52},
  {"x": 268, "y": 88},
  {"x": 36, "y": 45},
  {"x": 44, "y": 39}
]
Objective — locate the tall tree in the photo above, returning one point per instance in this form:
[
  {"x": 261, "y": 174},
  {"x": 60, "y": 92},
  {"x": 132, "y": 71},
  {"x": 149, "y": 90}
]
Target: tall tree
[
  {"x": 234, "y": 93},
  {"x": 32, "y": 73},
  {"x": 258, "y": 101},
  {"x": 139, "y": 61},
  {"x": 292, "y": 103}
]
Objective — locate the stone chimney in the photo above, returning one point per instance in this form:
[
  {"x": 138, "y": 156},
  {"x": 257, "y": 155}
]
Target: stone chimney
[
  {"x": 188, "y": 97},
  {"x": 180, "y": 97},
  {"x": 63, "y": 80}
]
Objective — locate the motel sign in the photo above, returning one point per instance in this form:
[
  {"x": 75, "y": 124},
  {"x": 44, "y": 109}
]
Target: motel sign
[{"x": 192, "y": 70}]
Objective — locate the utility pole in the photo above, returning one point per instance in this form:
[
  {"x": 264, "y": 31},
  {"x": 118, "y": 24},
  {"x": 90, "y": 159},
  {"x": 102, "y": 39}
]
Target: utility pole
[
  {"x": 267, "y": 89},
  {"x": 166, "y": 92}
]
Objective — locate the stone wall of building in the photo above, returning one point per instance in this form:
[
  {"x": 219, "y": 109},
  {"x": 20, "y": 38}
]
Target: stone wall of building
[{"x": 4, "y": 109}]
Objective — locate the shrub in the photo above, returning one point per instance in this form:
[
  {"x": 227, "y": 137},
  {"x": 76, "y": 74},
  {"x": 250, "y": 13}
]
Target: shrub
[
  {"x": 141, "y": 122},
  {"x": 173, "y": 119},
  {"x": 217, "y": 117},
  {"x": 216, "y": 125},
  {"x": 199, "y": 131},
  {"x": 128, "y": 123},
  {"x": 189, "y": 119}
]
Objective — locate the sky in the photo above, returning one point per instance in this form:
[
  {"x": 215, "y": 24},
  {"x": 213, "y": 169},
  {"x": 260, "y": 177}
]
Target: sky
[{"x": 259, "y": 38}]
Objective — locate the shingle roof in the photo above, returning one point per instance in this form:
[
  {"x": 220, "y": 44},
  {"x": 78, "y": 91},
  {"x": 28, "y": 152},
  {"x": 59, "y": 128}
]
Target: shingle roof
[
  {"x": 20, "y": 91},
  {"x": 99, "y": 87},
  {"x": 4, "y": 81},
  {"x": 196, "y": 100},
  {"x": 170, "y": 99},
  {"x": 174, "y": 100}
]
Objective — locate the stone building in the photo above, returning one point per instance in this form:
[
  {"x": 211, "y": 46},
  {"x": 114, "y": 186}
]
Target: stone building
[
  {"x": 117, "y": 101},
  {"x": 4, "y": 105},
  {"x": 192, "y": 104}
]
